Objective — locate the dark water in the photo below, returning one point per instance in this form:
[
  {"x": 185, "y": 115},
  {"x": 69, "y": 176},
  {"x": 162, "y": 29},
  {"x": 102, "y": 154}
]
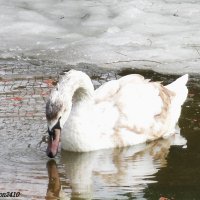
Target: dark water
[{"x": 147, "y": 171}]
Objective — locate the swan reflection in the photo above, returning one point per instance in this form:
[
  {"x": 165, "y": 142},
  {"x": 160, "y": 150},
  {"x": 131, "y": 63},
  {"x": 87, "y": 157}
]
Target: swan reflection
[
  {"x": 54, "y": 186},
  {"x": 111, "y": 174}
]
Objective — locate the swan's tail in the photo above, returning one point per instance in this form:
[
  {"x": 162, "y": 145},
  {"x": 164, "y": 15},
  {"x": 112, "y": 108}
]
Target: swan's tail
[{"x": 180, "y": 89}]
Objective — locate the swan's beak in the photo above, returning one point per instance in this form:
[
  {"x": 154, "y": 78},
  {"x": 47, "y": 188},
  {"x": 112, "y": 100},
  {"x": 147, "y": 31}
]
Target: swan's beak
[{"x": 53, "y": 143}]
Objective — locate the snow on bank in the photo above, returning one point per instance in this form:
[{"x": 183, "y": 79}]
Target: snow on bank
[{"x": 159, "y": 34}]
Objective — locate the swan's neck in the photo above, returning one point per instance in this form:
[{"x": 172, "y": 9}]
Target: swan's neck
[
  {"x": 79, "y": 120},
  {"x": 77, "y": 89}
]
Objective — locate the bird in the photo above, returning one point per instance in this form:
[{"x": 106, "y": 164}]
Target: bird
[{"x": 123, "y": 112}]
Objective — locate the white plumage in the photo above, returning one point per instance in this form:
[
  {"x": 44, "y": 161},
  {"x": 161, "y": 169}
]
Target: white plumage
[{"x": 120, "y": 113}]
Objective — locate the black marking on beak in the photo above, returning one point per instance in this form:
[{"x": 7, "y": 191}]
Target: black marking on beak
[
  {"x": 50, "y": 155},
  {"x": 52, "y": 132}
]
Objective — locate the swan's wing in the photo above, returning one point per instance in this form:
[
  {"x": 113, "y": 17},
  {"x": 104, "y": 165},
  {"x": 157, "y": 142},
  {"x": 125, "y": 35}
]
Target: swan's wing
[
  {"x": 143, "y": 106},
  {"x": 138, "y": 105}
]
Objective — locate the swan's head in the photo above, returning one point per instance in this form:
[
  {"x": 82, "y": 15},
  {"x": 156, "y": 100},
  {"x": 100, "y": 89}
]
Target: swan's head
[{"x": 57, "y": 112}]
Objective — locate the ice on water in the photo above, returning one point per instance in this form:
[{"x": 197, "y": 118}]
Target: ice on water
[{"x": 163, "y": 34}]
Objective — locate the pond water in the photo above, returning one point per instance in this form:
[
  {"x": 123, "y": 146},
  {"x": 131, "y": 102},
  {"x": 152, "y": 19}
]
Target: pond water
[{"x": 148, "y": 171}]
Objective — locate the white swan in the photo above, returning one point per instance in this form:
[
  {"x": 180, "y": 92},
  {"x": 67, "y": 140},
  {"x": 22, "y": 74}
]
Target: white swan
[{"x": 120, "y": 113}]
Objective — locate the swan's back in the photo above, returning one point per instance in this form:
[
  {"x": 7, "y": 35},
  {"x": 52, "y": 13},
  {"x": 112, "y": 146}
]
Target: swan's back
[{"x": 144, "y": 106}]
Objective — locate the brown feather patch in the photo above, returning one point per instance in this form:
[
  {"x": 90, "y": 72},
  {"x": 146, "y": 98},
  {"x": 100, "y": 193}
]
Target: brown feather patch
[
  {"x": 53, "y": 109},
  {"x": 166, "y": 96}
]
